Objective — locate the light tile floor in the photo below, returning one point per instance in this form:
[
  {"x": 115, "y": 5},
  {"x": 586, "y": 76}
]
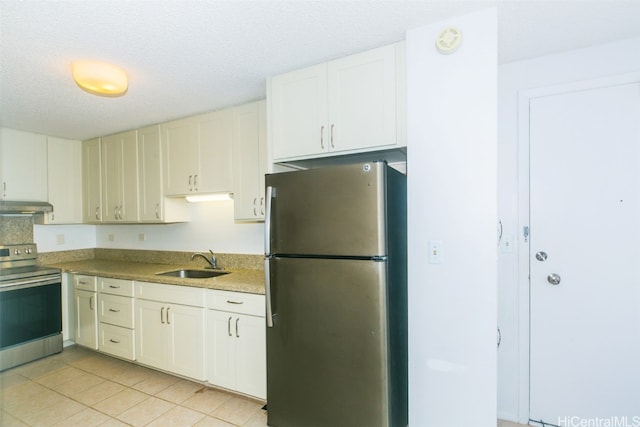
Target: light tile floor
[{"x": 79, "y": 387}]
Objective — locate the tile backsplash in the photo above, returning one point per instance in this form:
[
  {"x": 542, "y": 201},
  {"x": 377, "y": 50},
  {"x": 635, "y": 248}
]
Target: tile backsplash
[{"x": 16, "y": 229}]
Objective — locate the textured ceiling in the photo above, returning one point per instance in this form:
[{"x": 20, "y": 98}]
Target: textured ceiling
[{"x": 187, "y": 57}]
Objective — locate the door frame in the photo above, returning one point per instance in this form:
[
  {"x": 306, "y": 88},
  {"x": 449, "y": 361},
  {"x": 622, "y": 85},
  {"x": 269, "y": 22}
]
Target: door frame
[{"x": 523, "y": 220}]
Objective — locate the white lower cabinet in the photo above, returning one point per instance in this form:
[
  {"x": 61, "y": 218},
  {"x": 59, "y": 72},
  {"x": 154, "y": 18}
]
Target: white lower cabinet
[
  {"x": 236, "y": 345},
  {"x": 116, "y": 333},
  {"x": 86, "y": 311},
  {"x": 170, "y": 328}
]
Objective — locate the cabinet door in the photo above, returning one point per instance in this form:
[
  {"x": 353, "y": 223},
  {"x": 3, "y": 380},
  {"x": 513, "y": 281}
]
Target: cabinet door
[
  {"x": 150, "y": 337},
  {"x": 92, "y": 180},
  {"x": 299, "y": 112},
  {"x": 120, "y": 177},
  {"x": 111, "y": 177},
  {"x": 249, "y": 161},
  {"x": 86, "y": 319},
  {"x": 180, "y": 140},
  {"x": 64, "y": 186},
  {"x": 250, "y": 355},
  {"x": 362, "y": 100},
  {"x": 220, "y": 349},
  {"x": 215, "y": 132},
  {"x": 129, "y": 189},
  {"x": 23, "y": 165},
  {"x": 185, "y": 326},
  {"x": 150, "y": 174}
]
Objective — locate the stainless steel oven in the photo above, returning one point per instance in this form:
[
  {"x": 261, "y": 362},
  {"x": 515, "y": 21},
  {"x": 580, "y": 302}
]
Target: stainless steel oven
[{"x": 30, "y": 307}]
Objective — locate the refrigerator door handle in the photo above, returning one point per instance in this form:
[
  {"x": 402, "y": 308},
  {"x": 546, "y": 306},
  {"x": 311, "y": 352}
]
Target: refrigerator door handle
[
  {"x": 270, "y": 194},
  {"x": 267, "y": 289}
]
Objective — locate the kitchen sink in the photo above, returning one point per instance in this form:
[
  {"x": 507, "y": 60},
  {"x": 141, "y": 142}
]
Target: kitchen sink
[{"x": 193, "y": 274}]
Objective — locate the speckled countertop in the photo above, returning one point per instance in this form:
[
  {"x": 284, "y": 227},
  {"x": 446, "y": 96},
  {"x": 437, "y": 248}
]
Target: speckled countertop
[{"x": 238, "y": 280}]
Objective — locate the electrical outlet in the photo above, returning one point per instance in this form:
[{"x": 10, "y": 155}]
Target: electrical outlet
[
  {"x": 142, "y": 237},
  {"x": 111, "y": 237},
  {"x": 60, "y": 239}
]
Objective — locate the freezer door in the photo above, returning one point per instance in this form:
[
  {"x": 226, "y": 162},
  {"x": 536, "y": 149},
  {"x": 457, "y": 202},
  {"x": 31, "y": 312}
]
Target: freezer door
[
  {"x": 327, "y": 362},
  {"x": 337, "y": 211}
]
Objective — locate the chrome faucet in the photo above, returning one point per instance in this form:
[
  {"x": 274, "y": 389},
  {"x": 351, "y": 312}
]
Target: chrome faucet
[{"x": 212, "y": 260}]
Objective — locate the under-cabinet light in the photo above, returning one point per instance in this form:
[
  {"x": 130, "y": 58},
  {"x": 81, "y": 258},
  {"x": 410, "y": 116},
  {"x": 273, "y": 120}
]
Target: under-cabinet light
[{"x": 209, "y": 197}]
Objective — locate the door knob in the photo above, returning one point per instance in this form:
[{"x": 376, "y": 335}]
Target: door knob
[
  {"x": 553, "y": 278},
  {"x": 541, "y": 256}
]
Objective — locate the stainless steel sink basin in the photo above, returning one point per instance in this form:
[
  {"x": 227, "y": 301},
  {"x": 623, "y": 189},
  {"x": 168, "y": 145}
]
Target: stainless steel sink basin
[{"x": 193, "y": 274}]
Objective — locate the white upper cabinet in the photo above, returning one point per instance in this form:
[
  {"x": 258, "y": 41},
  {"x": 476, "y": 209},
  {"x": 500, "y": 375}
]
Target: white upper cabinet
[
  {"x": 198, "y": 154},
  {"x": 349, "y": 105},
  {"x": 249, "y": 161},
  {"x": 23, "y": 166},
  {"x": 120, "y": 177},
  {"x": 92, "y": 181},
  {"x": 216, "y": 143},
  {"x": 64, "y": 182},
  {"x": 299, "y": 112},
  {"x": 154, "y": 207}
]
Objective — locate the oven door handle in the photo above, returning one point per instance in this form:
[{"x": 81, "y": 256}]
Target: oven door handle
[{"x": 31, "y": 282}]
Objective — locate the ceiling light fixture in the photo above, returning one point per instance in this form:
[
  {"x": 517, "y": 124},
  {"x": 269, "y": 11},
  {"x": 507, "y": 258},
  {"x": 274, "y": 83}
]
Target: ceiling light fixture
[{"x": 100, "y": 78}]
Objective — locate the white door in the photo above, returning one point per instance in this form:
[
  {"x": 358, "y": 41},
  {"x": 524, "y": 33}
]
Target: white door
[{"x": 585, "y": 216}]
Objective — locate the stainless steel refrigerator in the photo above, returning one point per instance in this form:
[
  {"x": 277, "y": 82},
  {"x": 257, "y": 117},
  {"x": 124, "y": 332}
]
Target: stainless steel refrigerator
[{"x": 336, "y": 292}]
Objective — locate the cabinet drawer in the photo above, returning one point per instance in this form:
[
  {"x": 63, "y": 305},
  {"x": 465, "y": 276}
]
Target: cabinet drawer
[
  {"x": 115, "y": 310},
  {"x": 115, "y": 286},
  {"x": 87, "y": 283},
  {"x": 117, "y": 341},
  {"x": 236, "y": 302},
  {"x": 170, "y": 293}
]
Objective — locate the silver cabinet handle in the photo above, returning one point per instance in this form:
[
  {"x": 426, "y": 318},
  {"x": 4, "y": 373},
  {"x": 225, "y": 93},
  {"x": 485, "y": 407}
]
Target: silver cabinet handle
[
  {"x": 162, "y": 315},
  {"x": 190, "y": 182},
  {"x": 332, "y": 144},
  {"x": 98, "y": 213},
  {"x": 267, "y": 285},
  {"x": 91, "y": 303},
  {"x": 114, "y": 310},
  {"x": 4, "y": 189},
  {"x": 195, "y": 182},
  {"x": 115, "y": 212},
  {"x": 114, "y": 287},
  {"x": 235, "y": 302},
  {"x": 255, "y": 212},
  {"x": 168, "y": 322},
  {"x": 157, "y": 210},
  {"x": 229, "y": 326},
  {"x": 554, "y": 279},
  {"x": 261, "y": 205},
  {"x": 82, "y": 282},
  {"x": 237, "y": 334},
  {"x": 322, "y": 137},
  {"x": 52, "y": 217},
  {"x": 114, "y": 341}
]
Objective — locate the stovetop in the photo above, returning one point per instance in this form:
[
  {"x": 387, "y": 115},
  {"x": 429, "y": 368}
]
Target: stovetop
[{"x": 19, "y": 262}]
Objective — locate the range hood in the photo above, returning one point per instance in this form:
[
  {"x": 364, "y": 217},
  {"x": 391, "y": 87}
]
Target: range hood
[{"x": 22, "y": 207}]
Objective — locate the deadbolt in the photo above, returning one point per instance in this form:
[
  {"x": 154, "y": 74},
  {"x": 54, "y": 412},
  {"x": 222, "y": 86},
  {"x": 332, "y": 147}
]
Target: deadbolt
[
  {"x": 541, "y": 256},
  {"x": 553, "y": 278}
]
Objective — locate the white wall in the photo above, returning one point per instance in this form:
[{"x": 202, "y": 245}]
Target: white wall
[
  {"x": 453, "y": 198},
  {"x": 211, "y": 227},
  {"x": 53, "y": 238},
  {"x": 595, "y": 62}
]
